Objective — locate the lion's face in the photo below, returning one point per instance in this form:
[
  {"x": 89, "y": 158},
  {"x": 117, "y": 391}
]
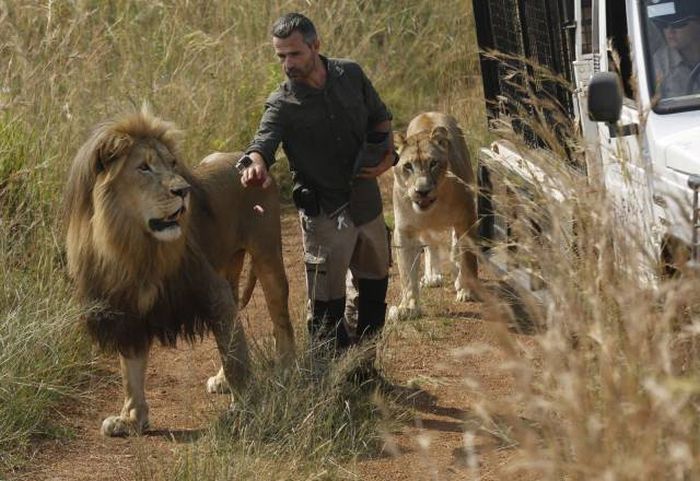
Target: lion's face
[
  {"x": 150, "y": 189},
  {"x": 127, "y": 203},
  {"x": 422, "y": 166}
]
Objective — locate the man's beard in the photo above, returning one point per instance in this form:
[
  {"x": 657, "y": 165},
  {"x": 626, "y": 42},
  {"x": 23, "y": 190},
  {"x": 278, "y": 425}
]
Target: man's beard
[
  {"x": 293, "y": 73},
  {"x": 299, "y": 73}
]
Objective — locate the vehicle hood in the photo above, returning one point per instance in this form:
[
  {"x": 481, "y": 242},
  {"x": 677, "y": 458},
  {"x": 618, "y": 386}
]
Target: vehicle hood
[
  {"x": 683, "y": 152},
  {"x": 675, "y": 139}
]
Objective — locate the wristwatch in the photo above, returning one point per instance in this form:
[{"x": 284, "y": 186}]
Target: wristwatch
[
  {"x": 244, "y": 162},
  {"x": 396, "y": 158}
]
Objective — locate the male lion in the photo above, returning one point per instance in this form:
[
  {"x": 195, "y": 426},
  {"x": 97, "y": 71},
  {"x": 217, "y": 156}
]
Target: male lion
[
  {"x": 159, "y": 250},
  {"x": 433, "y": 194}
]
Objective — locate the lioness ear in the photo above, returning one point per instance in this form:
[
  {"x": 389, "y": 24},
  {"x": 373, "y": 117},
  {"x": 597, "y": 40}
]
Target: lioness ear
[
  {"x": 439, "y": 135},
  {"x": 399, "y": 141}
]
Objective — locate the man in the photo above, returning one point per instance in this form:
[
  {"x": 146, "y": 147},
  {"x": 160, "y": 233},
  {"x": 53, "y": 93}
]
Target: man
[
  {"x": 323, "y": 115},
  {"x": 677, "y": 64}
]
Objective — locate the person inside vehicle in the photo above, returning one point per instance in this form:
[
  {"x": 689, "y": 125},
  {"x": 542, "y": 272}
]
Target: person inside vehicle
[{"x": 677, "y": 63}]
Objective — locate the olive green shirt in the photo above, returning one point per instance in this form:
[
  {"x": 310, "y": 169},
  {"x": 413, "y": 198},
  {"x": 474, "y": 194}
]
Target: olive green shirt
[{"x": 322, "y": 131}]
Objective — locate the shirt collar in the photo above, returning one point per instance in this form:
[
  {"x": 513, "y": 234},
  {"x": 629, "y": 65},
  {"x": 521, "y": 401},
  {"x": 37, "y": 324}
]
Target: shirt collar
[
  {"x": 333, "y": 70},
  {"x": 675, "y": 58}
]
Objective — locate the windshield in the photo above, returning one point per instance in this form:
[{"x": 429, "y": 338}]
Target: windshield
[{"x": 673, "y": 51}]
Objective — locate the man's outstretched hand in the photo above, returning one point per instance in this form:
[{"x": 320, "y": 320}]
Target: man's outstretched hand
[{"x": 256, "y": 173}]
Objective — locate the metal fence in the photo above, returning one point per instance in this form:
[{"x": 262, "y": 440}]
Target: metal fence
[{"x": 533, "y": 41}]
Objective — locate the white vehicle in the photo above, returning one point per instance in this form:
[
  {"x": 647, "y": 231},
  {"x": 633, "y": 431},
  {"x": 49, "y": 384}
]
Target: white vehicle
[{"x": 616, "y": 55}]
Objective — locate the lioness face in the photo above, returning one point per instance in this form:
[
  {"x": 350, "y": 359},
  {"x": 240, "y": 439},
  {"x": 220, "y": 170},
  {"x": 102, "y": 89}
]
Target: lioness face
[
  {"x": 156, "y": 194},
  {"x": 421, "y": 170}
]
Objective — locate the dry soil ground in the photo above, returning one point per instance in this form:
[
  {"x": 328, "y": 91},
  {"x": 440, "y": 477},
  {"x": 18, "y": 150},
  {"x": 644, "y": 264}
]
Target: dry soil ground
[{"x": 429, "y": 446}]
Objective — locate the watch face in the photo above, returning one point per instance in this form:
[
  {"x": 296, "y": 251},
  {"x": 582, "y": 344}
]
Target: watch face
[{"x": 244, "y": 162}]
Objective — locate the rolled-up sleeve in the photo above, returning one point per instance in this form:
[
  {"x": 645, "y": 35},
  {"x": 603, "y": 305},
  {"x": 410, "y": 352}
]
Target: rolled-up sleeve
[
  {"x": 269, "y": 134},
  {"x": 377, "y": 111}
]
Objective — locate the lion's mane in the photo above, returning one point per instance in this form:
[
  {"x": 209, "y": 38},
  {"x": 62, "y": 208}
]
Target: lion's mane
[{"x": 139, "y": 289}]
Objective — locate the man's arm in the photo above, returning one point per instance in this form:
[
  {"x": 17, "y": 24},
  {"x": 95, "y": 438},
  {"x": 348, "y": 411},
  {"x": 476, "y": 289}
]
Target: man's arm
[
  {"x": 263, "y": 147},
  {"x": 380, "y": 119},
  {"x": 388, "y": 160}
]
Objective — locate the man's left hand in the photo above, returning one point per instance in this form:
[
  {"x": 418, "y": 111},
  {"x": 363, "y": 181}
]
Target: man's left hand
[{"x": 379, "y": 169}]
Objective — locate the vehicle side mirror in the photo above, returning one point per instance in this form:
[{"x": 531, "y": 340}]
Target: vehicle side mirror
[{"x": 605, "y": 97}]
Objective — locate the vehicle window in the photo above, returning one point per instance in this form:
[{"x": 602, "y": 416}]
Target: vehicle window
[
  {"x": 673, "y": 50},
  {"x": 618, "y": 48},
  {"x": 587, "y": 26}
]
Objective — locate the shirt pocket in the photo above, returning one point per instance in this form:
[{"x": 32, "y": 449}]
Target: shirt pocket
[
  {"x": 310, "y": 120},
  {"x": 354, "y": 108},
  {"x": 312, "y": 127}
]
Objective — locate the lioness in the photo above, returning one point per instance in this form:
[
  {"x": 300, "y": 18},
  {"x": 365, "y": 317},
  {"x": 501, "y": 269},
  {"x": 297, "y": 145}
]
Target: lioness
[
  {"x": 160, "y": 250},
  {"x": 433, "y": 194}
]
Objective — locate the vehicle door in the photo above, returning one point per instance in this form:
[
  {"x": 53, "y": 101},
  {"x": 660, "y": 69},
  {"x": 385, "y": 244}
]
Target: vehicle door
[{"x": 626, "y": 175}]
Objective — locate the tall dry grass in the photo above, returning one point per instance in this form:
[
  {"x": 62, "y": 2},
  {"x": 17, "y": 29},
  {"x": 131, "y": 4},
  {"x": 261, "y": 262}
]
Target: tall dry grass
[
  {"x": 610, "y": 390},
  {"x": 208, "y": 66}
]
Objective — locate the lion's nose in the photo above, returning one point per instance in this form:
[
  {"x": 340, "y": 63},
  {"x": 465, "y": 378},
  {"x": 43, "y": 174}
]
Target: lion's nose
[
  {"x": 181, "y": 191},
  {"x": 423, "y": 192}
]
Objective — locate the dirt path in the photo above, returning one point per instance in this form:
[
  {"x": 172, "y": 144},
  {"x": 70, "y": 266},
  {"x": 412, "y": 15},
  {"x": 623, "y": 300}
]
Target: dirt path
[
  {"x": 445, "y": 439},
  {"x": 431, "y": 446}
]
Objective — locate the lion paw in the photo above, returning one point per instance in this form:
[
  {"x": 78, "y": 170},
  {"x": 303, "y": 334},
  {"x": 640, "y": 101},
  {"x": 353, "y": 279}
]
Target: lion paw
[
  {"x": 402, "y": 313},
  {"x": 218, "y": 384},
  {"x": 464, "y": 295},
  {"x": 118, "y": 426},
  {"x": 433, "y": 280}
]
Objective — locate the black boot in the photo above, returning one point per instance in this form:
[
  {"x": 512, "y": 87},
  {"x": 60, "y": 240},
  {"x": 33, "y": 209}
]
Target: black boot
[
  {"x": 327, "y": 325},
  {"x": 371, "y": 312},
  {"x": 371, "y": 309}
]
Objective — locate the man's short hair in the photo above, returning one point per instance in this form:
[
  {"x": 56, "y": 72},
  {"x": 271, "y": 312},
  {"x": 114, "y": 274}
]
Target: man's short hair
[{"x": 289, "y": 23}]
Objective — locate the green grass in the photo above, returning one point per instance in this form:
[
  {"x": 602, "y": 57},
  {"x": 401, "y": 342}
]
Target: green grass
[{"x": 43, "y": 357}]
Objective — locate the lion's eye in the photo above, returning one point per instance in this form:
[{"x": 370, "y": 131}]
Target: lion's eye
[
  {"x": 144, "y": 167},
  {"x": 408, "y": 167},
  {"x": 434, "y": 164}
]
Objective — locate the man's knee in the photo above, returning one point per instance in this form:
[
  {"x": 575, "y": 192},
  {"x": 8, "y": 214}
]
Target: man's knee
[{"x": 373, "y": 289}]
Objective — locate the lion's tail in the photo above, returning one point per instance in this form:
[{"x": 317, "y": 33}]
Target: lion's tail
[{"x": 250, "y": 281}]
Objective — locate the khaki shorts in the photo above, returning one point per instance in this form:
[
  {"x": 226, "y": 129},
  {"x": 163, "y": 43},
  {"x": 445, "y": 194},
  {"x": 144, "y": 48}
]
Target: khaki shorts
[{"x": 334, "y": 245}]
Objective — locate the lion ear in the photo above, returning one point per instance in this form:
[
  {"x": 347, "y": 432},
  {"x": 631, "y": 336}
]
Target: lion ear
[
  {"x": 110, "y": 147},
  {"x": 439, "y": 135},
  {"x": 399, "y": 141},
  {"x": 93, "y": 157}
]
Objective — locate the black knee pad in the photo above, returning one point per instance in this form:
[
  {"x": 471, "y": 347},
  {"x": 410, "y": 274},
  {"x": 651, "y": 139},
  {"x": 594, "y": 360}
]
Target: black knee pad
[
  {"x": 371, "y": 317},
  {"x": 373, "y": 289},
  {"x": 327, "y": 323},
  {"x": 371, "y": 308}
]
